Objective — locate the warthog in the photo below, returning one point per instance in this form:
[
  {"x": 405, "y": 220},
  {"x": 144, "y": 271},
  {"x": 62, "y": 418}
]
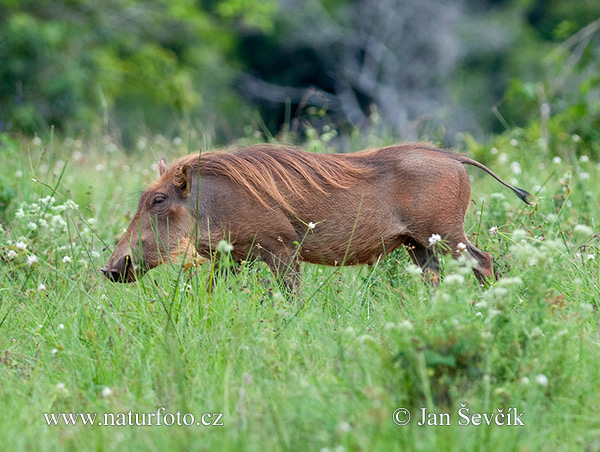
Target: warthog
[{"x": 282, "y": 205}]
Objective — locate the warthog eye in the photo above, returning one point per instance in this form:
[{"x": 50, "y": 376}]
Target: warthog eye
[{"x": 159, "y": 199}]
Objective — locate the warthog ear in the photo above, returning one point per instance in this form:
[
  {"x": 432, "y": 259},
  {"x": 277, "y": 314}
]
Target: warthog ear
[
  {"x": 183, "y": 178},
  {"x": 162, "y": 166}
]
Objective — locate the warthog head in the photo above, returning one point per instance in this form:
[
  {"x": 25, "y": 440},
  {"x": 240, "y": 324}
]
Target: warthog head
[{"x": 160, "y": 229}]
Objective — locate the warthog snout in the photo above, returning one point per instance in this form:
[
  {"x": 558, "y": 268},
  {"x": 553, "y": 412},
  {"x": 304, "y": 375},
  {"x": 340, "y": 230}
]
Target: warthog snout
[{"x": 122, "y": 270}]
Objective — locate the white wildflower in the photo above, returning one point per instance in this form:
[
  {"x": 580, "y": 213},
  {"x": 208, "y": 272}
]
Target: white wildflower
[
  {"x": 510, "y": 282},
  {"x": 32, "y": 260},
  {"x": 31, "y": 226},
  {"x": 19, "y": 213},
  {"x": 405, "y": 325},
  {"x": 556, "y": 160},
  {"x": 60, "y": 386},
  {"x": 461, "y": 247},
  {"x": 41, "y": 287},
  {"x": 584, "y": 176},
  {"x": 515, "y": 167},
  {"x": 542, "y": 380},
  {"x": 576, "y": 138},
  {"x": 514, "y": 142},
  {"x": 584, "y": 159},
  {"x": 106, "y": 392},
  {"x": 224, "y": 247},
  {"x": 494, "y": 230},
  {"x": 454, "y": 279},
  {"x": 494, "y": 151},
  {"x": 502, "y": 158},
  {"x": 435, "y": 238},
  {"x": 525, "y": 380},
  {"x": 61, "y": 326},
  {"x": 11, "y": 254},
  {"x": 54, "y": 351},
  {"x": 583, "y": 230},
  {"x": 414, "y": 270},
  {"x": 21, "y": 245},
  {"x": 71, "y": 204},
  {"x": 519, "y": 235},
  {"x": 344, "y": 427},
  {"x": 37, "y": 141},
  {"x": 66, "y": 259},
  {"x": 311, "y": 225},
  {"x": 590, "y": 257}
]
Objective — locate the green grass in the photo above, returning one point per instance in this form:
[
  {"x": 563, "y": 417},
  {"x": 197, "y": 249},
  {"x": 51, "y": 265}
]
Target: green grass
[{"x": 323, "y": 375}]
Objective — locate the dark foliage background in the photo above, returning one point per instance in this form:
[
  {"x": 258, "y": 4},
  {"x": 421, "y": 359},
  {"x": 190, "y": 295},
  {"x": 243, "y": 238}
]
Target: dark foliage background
[{"x": 420, "y": 68}]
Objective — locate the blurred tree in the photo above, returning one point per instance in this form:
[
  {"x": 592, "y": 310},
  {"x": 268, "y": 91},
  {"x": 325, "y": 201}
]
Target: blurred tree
[
  {"x": 431, "y": 68},
  {"x": 132, "y": 63}
]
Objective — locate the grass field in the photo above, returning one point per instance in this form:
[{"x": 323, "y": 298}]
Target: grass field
[{"x": 324, "y": 375}]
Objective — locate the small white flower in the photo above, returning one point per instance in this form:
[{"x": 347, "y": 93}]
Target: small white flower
[
  {"x": 19, "y": 174},
  {"x": 414, "y": 270},
  {"x": 61, "y": 326},
  {"x": 515, "y": 167},
  {"x": 344, "y": 427},
  {"x": 584, "y": 159},
  {"x": 576, "y": 138},
  {"x": 224, "y": 247},
  {"x": 54, "y": 351},
  {"x": 542, "y": 380},
  {"x": 106, "y": 392},
  {"x": 41, "y": 287},
  {"x": 461, "y": 247},
  {"x": 19, "y": 213},
  {"x": 494, "y": 151},
  {"x": 590, "y": 257},
  {"x": 32, "y": 260},
  {"x": 502, "y": 158},
  {"x": 37, "y": 141},
  {"x": 584, "y": 176},
  {"x": 514, "y": 142},
  {"x": 11, "y": 254},
  {"x": 31, "y": 226},
  {"x": 60, "y": 386},
  {"x": 577, "y": 255},
  {"x": 66, "y": 259},
  {"x": 435, "y": 238},
  {"x": 583, "y": 230},
  {"x": 311, "y": 225},
  {"x": 525, "y": 380},
  {"x": 21, "y": 246},
  {"x": 405, "y": 325},
  {"x": 556, "y": 160},
  {"x": 494, "y": 230},
  {"x": 454, "y": 279}
]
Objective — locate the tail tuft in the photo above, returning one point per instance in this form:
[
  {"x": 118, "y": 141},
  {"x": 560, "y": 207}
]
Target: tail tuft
[{"x": 526, "y": 197}]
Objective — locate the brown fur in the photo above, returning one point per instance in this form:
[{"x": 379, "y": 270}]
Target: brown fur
[{"x": 262, "y": 199}]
